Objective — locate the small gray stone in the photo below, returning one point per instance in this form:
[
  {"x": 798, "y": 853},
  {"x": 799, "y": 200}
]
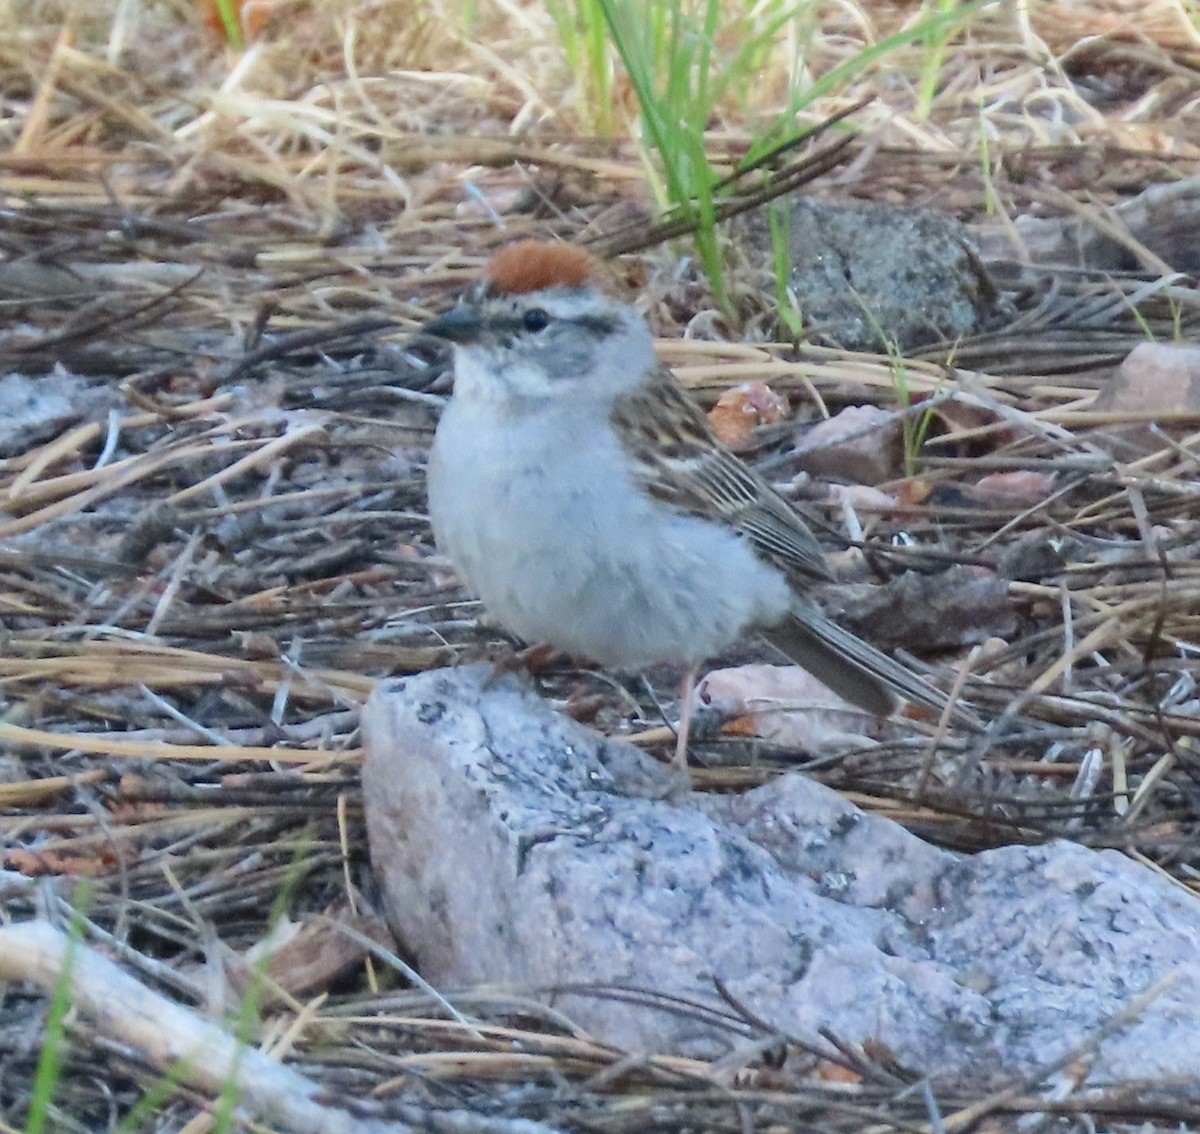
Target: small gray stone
[{"x": 875, "y": 277}]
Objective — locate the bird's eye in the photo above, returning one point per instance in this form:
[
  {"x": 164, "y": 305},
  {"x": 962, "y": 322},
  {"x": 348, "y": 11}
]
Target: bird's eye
[{"x": 535, "y": 319}]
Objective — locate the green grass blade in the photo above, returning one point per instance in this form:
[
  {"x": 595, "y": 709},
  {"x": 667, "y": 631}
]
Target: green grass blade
[
  {"x": 231, "y": 24},
  {"x": 49, "y": 1068},
  {"x": 939, "y": 25}
]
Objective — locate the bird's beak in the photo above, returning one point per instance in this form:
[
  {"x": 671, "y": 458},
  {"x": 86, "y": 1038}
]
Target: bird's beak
[{"x": 461, "y": 324}]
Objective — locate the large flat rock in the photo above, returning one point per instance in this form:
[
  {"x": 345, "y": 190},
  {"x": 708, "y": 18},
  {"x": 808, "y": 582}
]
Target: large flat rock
[{"x": 516, "y": 847}]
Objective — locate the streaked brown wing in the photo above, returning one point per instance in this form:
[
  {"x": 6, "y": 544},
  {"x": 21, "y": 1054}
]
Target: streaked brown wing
[{"x": 679, "y": 460}]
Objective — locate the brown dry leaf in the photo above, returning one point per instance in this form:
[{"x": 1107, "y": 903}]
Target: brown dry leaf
[
  {"x": 911, "y": 711},
  {"x": 878, "y": 1052},
  {"x": 862, "y": 444},
  {"x": 307, "y": 956},
  {"x": 746, "y": 726},
  {"x": 741, "y": 410},
  {"x": 913, "y": 492},
  {"x": 967, "y": 430},
  {"x": 865, "y": 498},
  {"x": 1154, "y": 379},
  {"x": 33, "y": 864},
  {"x": 828, "y": 1072},
  {"x": 1020, "y": 489},
  {"x": 953, "y": 609},
  {"x": 586, "y": 707},
  {"x": 127, "y": 807},
  {"x": 259, "y": 646}
]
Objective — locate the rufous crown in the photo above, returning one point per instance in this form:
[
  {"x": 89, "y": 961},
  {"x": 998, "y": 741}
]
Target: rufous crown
[{"x": 532, "y": 265}]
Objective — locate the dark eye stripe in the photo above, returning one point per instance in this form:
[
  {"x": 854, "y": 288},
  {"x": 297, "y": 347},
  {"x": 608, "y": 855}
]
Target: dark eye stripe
[{"x": 596, "y": 325}]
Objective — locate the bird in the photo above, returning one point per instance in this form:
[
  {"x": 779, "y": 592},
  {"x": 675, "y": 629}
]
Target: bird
[{"x": 584, "y": 497}]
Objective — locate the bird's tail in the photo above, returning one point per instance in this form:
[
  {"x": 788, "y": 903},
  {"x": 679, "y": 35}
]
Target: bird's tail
[{"x": 854, "y": 669}]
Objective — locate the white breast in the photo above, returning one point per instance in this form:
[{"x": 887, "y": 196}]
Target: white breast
[{"x": 543, "y": 522}]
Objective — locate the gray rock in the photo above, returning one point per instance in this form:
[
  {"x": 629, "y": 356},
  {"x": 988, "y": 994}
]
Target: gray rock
[
  {"x": 874, "y": 277},
  {"x": 33, "y": 410},
  {"x": 510, "y": 850}
]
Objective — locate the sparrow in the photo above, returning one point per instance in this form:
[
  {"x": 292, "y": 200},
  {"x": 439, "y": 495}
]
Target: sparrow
[{"x": 584, "y": 497}]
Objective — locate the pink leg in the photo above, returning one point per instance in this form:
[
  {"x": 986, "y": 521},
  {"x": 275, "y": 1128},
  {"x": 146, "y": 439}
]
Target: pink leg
[{"x": 686, "y": 707}]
